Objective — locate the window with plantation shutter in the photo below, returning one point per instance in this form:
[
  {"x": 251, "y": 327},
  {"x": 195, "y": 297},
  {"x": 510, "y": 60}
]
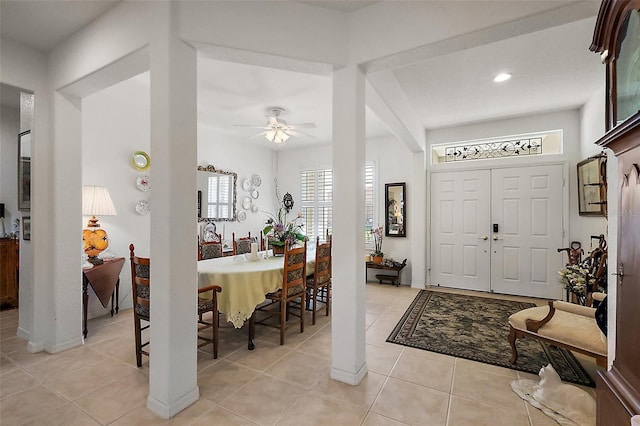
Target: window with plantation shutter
[
  {"x": 368, "y": 203},
  {"x": 218, "y": 198},
  {"x": 316, "y": 192}
]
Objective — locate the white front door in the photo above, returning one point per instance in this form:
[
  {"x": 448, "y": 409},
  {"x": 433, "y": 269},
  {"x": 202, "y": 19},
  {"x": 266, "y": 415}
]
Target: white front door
[
  {"x": 527, "y": 207},
  {"x": 520, "y": 258},
  {"x": 460, "y": 218}
]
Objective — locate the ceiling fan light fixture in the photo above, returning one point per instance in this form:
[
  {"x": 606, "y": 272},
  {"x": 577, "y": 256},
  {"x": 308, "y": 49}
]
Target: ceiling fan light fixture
[{"x": 276, "y": 135}]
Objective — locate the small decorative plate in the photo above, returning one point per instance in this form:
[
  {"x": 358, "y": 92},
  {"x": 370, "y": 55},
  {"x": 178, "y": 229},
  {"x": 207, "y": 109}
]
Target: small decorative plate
[
  {"x": 140, "y": 160},
  {"x": 143, "y": 183},
  {"x": 254, "y": 208},
  {"x": 246, "y": 203},
  {"x": 256, "y": 180},
  {"x": 143, "y": 207},
  {"x": 242, "y": 216},
  {"x": 255, "y": 194},
  {"x": 246, "y": 185}
]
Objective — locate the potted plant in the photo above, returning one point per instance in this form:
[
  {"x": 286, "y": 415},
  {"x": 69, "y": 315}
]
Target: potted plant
[
  {"x": 377, "y": 254},
  {"x": 278, "y": 229}
]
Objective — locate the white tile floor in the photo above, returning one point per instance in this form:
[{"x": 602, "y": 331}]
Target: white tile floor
[{"x": 99, "y": 384}]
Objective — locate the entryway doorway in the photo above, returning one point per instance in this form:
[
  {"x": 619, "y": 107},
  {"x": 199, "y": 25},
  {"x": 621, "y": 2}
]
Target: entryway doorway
[{"x": 498, "y": 230}]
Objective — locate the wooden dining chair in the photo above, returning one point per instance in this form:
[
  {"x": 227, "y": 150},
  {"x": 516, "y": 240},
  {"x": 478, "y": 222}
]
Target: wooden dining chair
[
  {"x": 141, "y": 290},
  {"x": 208, "y": 303},
  {"x": 293, "y": 289},
  {"x": 210, "y": 250},
  {"x": 140, "y": 273},
  {"x": 319, "y": 284},
  {"x": 242, "y": 245}
]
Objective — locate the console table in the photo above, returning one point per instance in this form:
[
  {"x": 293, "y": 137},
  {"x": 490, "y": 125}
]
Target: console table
[
  {"x": 393, "y": 278},
  {"x": 105, "y": 282}
]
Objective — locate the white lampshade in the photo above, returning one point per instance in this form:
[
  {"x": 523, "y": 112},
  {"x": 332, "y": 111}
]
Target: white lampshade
[{"x": 96, "y": 201}]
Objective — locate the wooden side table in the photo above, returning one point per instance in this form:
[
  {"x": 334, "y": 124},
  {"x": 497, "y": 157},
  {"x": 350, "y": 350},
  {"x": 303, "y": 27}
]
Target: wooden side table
[
  {"x": 393, "y": 278},
  {"x": 105, "y": 282}
]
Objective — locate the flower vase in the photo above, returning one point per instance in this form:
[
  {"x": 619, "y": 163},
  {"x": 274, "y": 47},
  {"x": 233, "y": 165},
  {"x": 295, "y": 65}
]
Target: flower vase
[
  {"x": 376, "y": 259},
  {"x": 277, "y": 250}
]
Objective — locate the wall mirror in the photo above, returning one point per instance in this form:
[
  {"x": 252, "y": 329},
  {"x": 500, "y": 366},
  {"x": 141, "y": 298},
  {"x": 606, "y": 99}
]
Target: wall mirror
[
  {"x": 24, "y": 171},
  {"x": 592, "y": 186},
  {"x": 395, "y": 199},
  {"x": 216, "y": 194}
]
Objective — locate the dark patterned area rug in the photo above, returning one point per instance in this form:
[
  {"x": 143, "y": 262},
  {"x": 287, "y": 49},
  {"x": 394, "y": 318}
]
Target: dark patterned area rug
[{"x": 477, "y": 328}]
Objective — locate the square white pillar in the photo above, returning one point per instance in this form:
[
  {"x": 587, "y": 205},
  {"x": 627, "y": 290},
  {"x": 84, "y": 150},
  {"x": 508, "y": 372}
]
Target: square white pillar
[
  {"x": 173, "y": 338},
  {"x": 348, "y": 288}
]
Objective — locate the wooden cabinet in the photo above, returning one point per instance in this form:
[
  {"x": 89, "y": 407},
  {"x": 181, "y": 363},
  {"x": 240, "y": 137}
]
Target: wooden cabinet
[
  {"x": 9, "y": 259},
  {"x": 615, "y": 38}
]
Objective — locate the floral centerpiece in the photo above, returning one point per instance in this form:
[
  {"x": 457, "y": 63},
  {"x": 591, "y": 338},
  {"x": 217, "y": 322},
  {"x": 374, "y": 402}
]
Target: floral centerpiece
[
  {"x": 577, "y": 280},
  {"x": 278, "y": 229},
  {"x": 377, "y": 239}
]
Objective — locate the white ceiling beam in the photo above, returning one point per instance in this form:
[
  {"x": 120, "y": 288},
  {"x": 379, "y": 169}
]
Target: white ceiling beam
[
  {"x": 388, "y": 101},
  {"x": 538, "y": 22}
]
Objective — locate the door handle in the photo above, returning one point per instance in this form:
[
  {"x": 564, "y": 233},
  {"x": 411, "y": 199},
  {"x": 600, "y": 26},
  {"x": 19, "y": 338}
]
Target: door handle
[
  {"x": 495, "y": 238},
  {"x": 485, "y": 238}
]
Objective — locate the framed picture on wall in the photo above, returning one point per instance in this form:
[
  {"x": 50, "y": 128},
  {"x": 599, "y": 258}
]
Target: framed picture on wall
[
  {"x": 592, "y": 186},
  {"x": 26, "y": 228},
  {"x": 24, "y": 171}
]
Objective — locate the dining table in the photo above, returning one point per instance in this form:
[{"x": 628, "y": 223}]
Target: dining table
[{"x": 245, "y": 279}]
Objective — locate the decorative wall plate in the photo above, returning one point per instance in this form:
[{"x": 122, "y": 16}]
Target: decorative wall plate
[
  {"x": 140, "y": 160},
  {"x": 254, "y": 208},
  {"x": 246, "y": 203},
  {"x": 246, "y": 185},
  {"x": 256, "y": 180},
  {"x": 242, "y": 216},
  {"x": 143, "y": 207},
  {"x": 143, "y": 183},
  {"x": 255, "y": 194}
]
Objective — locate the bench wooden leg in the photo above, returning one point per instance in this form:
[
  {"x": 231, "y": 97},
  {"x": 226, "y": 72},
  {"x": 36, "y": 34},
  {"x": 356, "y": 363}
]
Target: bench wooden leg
[{"x": 513, "y": 335}]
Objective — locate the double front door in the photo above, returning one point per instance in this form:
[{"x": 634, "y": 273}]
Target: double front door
[{"x": 498, "y": 230}]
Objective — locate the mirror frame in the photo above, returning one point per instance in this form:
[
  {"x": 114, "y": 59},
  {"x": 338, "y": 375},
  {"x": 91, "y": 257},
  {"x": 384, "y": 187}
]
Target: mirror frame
[
  {"x": 388, "y": 189},
  {"x": 24, "y": 171},
  {"x": 592, "y": 186},
  {"x": 234, "y": 214}
]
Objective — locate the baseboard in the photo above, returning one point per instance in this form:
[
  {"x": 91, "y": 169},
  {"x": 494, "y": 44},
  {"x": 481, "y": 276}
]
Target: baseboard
[
  {"x": 23, "y": 334},
  {"x": 348, "y": 377},
  {"x": 35, "y": 347},
  {"x": 61, "y": 347},
  {"x": 165, "y": 411}
]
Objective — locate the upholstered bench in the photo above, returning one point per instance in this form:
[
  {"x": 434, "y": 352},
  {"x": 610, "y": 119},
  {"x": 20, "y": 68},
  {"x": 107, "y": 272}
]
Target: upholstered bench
[{"x": 562, "y": 324}]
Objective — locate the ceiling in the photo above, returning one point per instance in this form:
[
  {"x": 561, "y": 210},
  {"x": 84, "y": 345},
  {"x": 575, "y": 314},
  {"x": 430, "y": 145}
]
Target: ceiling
[{"x": 552, "y": 70}]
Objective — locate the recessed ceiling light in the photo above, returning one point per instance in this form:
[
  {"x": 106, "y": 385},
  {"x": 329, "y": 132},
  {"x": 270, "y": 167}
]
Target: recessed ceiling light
[{"x": 502, "y": 77}]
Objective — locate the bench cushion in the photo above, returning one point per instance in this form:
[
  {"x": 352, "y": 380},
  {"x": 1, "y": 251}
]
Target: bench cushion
[{"x": 570, "y": 329}]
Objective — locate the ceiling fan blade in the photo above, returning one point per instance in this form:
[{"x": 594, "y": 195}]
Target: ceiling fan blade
[
  {"x": 303, "y": 126},
  {"x": 251, "y": 126},
  {"x": 292, "y": 132}
]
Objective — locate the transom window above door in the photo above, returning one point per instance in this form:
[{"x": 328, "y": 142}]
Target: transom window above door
[{"x": 544, "y": 143}]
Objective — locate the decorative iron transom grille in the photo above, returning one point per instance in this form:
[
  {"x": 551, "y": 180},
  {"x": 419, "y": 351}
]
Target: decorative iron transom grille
[{"x": 478, "y": 151}]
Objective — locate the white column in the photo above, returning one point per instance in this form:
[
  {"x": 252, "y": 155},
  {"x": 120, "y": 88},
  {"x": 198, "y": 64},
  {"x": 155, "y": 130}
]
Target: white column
[
  {"x": 349, "y": 292},
  {"x": 418, "y": 226},
  {"x": 173, "y": 348}
]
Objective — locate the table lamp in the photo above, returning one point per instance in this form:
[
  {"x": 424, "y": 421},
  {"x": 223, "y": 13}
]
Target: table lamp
[{"x": 96, "y": 201}]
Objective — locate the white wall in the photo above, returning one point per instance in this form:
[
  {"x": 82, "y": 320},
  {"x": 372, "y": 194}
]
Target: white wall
[
  {"x": 592, "y": 123},
  {"x": 393, "y": 164},
  {"x": 246, "y": 158},
  {"x": 9, "y": 129},
  {"x": 115, "y": 124}
]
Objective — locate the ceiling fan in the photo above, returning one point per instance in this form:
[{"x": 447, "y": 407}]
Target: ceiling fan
[{"x": 277, "y": 130}]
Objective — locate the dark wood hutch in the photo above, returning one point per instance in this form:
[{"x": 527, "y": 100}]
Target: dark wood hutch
[{"x": 616, "y": 39}]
